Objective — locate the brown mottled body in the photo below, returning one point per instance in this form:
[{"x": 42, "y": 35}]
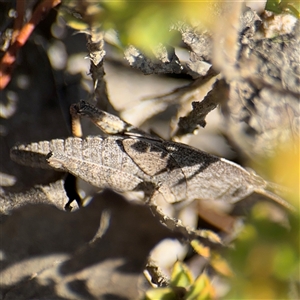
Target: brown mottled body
[
  {"x": 137, "y": 161},
  {"x": 177, "y": 171}
]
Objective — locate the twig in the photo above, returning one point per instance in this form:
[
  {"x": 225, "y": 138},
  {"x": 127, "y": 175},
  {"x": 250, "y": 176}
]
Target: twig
[
  {"x": 200, "y": 110},
  {"x": 18, "y": 23},
  {"x": 156, "y": 275},
  {"x": 9, "y": 58},
  {"x": 95, "y": 47}
]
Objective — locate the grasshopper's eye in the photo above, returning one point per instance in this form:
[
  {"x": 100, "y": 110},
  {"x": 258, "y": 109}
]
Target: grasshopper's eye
[
  {"x": 81, "y": 105},
  {"x": 78, "y": 108}
]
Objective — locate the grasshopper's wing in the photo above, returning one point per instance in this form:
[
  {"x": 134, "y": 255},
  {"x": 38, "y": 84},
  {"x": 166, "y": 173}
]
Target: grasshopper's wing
[
  {"x": 153, "y": 159},
  {"x": 210, "y": 177}
]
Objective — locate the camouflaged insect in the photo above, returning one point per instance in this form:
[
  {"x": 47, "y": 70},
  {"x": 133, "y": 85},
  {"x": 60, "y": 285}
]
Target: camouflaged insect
[{"x": 135, "y": 160}]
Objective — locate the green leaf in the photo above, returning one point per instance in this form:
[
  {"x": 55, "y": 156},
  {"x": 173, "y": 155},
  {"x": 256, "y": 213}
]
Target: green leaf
[
  {"x": 160, "y": 294},
  {"x": 285, "y": 6},
  {"x": 221, "y": 265},
  {"x": 212, "y": 236},
  {"x": 285, "y": 261},
  {"x": 273, "y": 5},
  {"x": 266, "y": 256},
  {"x": 143, "y": 24},
  {"x": 202, "y": 289},
  {"x": 181, "y": 275},
  {"x": 200, "y": 249}
]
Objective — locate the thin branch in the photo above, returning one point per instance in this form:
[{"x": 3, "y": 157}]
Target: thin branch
[
  {"x": 200, "y": 110},
  {"x": 18, "y": 23},
  {"x": 9, "y": 58}
]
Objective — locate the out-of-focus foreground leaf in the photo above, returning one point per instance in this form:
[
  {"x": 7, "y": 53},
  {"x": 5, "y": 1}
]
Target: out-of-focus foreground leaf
[
  {"x": 266, "y": 258},
  {"x": 288, "y": 6},
  {"x": 144, "y": 24},
  {"x": 184, "y": 286},
  {"x": 284, "y": 168}
]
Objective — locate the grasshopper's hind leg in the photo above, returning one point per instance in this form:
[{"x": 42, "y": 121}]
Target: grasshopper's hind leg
[
  {"x": 75, "y": 121},
  {"x": 108, "y": 123}
]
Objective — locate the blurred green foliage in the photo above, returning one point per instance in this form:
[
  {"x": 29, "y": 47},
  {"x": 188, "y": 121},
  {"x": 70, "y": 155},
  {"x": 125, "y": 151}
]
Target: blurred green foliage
[
  {"x": 215, "y": 260},
  {"x": 266, "y": 258},
  {"x": 147, "y": 23},
  {"x": 284, "y": 6},
  {"x": 143, "y": 24},
  {"x": 183, "y": 286}
]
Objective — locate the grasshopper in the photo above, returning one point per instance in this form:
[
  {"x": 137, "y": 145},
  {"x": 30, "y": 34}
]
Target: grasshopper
[{"x": 129, "y": 159}]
